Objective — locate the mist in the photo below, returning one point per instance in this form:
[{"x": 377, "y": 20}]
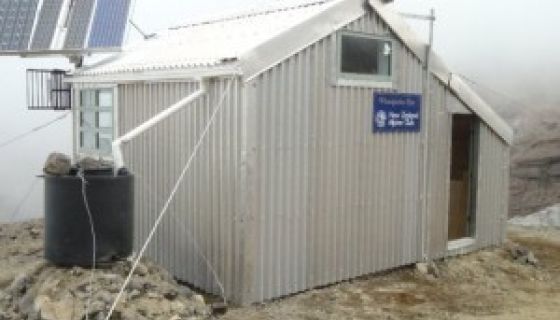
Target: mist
[{"x": 507, "y": 47}]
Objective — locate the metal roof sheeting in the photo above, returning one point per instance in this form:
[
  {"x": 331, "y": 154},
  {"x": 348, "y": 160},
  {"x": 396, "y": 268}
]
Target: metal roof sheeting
[
  {"x": 217, "y": 42},
  {"x": 252, "y": 43}
]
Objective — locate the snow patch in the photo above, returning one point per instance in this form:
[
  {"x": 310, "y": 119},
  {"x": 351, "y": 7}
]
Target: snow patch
[{"x": 547, "y": 218}]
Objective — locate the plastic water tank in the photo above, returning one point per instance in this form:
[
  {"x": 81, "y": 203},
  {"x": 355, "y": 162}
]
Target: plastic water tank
[{"x": 68, "y": 240}]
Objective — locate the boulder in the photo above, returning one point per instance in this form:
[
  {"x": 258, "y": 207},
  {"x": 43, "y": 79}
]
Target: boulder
[
  {"x": 428, "y": 269},
  {"x": 20, "y": 285},
  {"x": 51, "y": 310},
  {"x": 57, "y": 164},
  {"x": 522, "y": 255},
  {"x": 422, "y": 268},
  {"x": 94, "y": 164}
]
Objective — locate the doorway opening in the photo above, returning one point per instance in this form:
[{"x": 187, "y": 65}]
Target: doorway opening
[{"x": 463, "y": 188}]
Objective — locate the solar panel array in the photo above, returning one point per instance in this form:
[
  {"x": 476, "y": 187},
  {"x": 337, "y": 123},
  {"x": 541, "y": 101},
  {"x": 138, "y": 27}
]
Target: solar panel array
[
  {"x": 46, "y": 25},
  {"x": 111, "y": 15},
  {"x": 16, "y": 23},
  {"x": 28, "y": 26},
  {"x": 81, "y": 12}
]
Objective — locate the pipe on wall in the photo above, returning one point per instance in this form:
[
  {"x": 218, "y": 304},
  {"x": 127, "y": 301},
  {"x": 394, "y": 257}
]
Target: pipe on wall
[{"x": 117, "y": 144}]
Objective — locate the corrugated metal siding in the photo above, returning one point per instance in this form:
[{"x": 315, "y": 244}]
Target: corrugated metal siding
[
  {"x": 439, "y": 162},
  {"x": 207, "y": 206},
  {"x": 295, "y": 191},
  {"x": 334, "y": 201},
  {"x": 493, "y": 184},
  {"x": 493, "y": 180}
]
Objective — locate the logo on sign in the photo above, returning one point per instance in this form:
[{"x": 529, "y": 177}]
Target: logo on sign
[
  {"x": 396, "y": 112},
  {"x": 381, "y": 119}
]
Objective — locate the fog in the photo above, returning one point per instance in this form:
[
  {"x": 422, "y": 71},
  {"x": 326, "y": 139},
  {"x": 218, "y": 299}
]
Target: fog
[{"x": 508, "y": 47}]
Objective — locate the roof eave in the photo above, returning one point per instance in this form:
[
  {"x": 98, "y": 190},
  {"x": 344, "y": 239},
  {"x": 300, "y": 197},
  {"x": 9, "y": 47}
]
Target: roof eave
[
  {"x": 185, "y": 74},
  {"x": 474, "y": 102},
  {"x": 460, "y": 89}
]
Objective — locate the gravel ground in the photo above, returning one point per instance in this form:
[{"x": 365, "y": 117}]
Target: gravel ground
[
  {"x": 499, "y": 283},
  {"x": 492, "y": 284}
]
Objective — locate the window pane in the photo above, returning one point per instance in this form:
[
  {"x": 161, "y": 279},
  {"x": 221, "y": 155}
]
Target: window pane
[
  {"x": 89, "y": 140},
  {"x": 87, "y": 98},
  {"x": 88, "y": 120},
  {"x": 385, "y": 58},
  {"x": 105, "y": 142},
  {"x": 365, "y": 56},
  {"x": 105, "y": 119},
  {"x": 105, "y": 99}
]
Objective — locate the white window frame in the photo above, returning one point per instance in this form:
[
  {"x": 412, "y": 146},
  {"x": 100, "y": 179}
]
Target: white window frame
[
  {"x": 361, "y": 80},
  {"x": 80, "y": 152}
]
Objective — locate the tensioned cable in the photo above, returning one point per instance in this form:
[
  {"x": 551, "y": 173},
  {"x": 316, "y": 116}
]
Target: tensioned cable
[
  {"x": 197, "y": 247},
  {"x": 81, "y": 175},
  {"x": 169, "y": 200},
  {"x": 34, "y": 130},
  {"x": 24, "y": 199}
]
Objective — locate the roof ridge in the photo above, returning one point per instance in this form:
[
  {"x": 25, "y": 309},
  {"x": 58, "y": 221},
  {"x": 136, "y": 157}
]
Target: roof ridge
[{"x": 250, "y": 14}]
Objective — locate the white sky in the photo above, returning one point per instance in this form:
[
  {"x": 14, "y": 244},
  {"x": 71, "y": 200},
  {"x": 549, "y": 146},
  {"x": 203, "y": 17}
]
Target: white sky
[{"x": 509, "y": 45}]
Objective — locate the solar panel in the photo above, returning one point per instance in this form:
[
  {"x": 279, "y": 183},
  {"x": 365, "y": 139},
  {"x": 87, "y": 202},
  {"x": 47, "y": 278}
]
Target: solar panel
[
  {"x": 109, "y": 24},
  {"x": 68, "y": 27},
  {"x": 46, "y": 25},
  {"x": 81, "y": 12},
  {"x": 16, "y": 23}
]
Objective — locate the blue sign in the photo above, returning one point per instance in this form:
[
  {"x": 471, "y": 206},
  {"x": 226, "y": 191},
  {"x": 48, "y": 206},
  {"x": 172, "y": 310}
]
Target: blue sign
[{"x": 394, "y": 112}]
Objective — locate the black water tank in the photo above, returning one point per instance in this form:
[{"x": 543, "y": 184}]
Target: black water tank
[{"x": 68, "y": 240}]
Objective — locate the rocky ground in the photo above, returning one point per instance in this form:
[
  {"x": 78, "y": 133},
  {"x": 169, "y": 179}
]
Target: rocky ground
[
  {"x": 519, "y": 281},
  {"x": 32, "y": 289},
  {"x": 500, "y": 283},
  {"x": 535, "y": 159}
]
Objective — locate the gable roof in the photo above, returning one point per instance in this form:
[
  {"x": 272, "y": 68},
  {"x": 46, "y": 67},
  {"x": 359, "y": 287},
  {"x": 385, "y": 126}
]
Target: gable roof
[
  {"x": 251, "y": 43},
  {"x": 215, "y": 44}
]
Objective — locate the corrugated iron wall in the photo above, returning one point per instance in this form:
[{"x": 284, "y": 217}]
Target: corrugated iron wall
[
  {"x": 493, "y": 189},
  {"x": 334, "y": 201},
  {"x": 438, "y": 175},
  {"x": 207, "y": 206},
  {"x": 293, "y": 190}
]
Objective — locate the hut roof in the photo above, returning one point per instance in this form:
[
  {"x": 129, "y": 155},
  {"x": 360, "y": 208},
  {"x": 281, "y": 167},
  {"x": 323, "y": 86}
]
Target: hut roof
[{"x": 250, "y": 43}]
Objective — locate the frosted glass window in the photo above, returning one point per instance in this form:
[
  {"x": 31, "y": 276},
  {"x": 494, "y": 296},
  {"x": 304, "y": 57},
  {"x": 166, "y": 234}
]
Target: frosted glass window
[
  {"x": 105, "y": 99},
  {"x": 105, "y": 119},
  {"x": 96, "y": 121},
  {"x": 87, "y": 98},
  {"x": 89, "y": 140},
  {"x": 89, "y": 120},
  {"x": 105, "y": 143}
]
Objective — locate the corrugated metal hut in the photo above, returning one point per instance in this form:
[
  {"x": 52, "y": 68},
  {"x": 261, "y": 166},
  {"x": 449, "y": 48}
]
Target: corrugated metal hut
[{"x": 322, "y": 164}]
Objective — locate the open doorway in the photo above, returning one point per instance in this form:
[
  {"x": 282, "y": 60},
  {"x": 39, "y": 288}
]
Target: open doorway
[{"x": 464, "y": 155}]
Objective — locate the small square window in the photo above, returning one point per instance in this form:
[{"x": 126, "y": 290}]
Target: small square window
[
  {"x": 88, "y": 120},
  {"x": 105, "y": 99},
  {"x": 87, "y": 98},
  {"x": 105, "y": 142},
  {"x": 105, "y": 120},
  {"x": 89, "y": 140},
  {"x": 365, "y": 58}
]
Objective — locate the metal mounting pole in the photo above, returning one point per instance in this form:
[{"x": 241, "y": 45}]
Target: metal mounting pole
[{"x": 425, "y": 197}]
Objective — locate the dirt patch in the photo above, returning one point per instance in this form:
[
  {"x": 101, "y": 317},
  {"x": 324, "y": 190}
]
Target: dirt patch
[{"x": 486, "y": 285}]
